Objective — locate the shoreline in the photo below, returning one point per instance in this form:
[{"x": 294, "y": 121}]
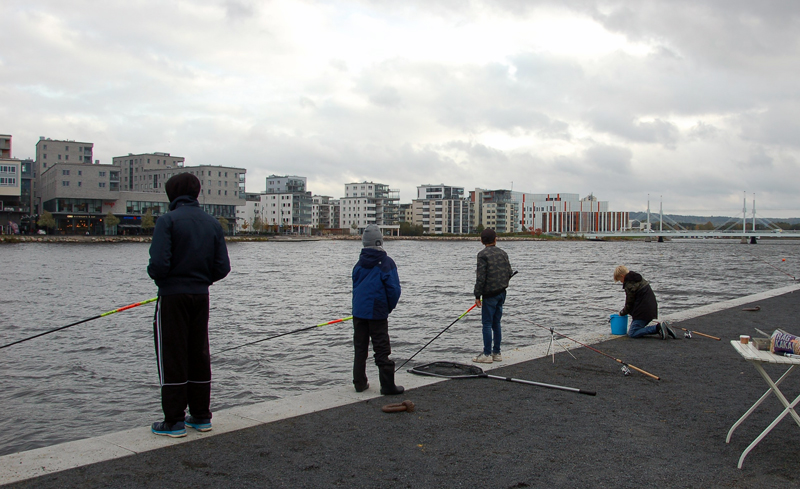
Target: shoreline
[
  {"x": 313, "y": 440},
  {"x": 15, "y": 239}
]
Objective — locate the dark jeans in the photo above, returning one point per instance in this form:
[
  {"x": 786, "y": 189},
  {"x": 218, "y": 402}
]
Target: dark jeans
[
  {"x": 639, "y": 328},
  {"x": 378, "y": 331},
  {"x": 491, "y": 314},
  {"x": 184, "y": 363}
]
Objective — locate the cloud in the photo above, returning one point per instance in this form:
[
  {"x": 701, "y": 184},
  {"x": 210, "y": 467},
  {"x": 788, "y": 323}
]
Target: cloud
[{"x": 695, "y": 100}]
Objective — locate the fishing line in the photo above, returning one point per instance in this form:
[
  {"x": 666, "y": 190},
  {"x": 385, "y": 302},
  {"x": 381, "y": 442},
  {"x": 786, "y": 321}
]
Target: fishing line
[
  {"x": 130, "y": 306},
  {"x": 625, "y": 364},
  {"x": 445, "y": 329},
  {"x": 771, "y": 265},
  {"x": 284, "y": 334},
  {"x": 438, "y": 335}
]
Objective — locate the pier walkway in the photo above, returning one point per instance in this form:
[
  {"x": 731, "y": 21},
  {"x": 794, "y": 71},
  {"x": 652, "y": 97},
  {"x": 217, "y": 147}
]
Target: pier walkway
[{"x": 484, "y": 433}]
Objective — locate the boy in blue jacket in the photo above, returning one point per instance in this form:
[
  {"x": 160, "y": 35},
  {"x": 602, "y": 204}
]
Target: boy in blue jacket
[
  {"x": 376, "y": 290},
  {"x": 187, "y": 255}
]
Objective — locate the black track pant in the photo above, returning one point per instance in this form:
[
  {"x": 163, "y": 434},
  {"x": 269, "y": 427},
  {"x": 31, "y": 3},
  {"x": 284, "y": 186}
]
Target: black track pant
[
  {"x": 378, "y": 330},
  {"x": 184, "y": 363}
]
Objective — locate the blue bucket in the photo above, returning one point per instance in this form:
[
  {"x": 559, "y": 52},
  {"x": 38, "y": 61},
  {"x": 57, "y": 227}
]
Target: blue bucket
[{"x": 619, "y": 324}]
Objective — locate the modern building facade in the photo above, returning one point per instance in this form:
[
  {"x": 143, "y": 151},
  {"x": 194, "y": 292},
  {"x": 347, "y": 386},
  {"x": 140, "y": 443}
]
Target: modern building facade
[
  {"x": 11, "y": 201},
  {"x": 368, "y": 203},
  {"x": 53, "y": 151},
  {"x": 442, "y": 209},
  {"x": 285, "y": 207},
  {"x": 324, "y": 212},
  {"x": 568, "y": 214},
  {"x": 5, "y": 146},
  {"x": 80, "y": 193},
  {"x": 496, "y": 209}
]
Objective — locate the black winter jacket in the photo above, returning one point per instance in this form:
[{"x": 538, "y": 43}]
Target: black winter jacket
[
  {"x": 188, "y": 251},
  {"x": 640, "y": 301}
]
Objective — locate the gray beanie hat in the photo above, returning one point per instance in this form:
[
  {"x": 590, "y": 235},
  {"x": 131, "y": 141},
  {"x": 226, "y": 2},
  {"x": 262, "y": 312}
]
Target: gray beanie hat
[{"x": 372, "y": 237}]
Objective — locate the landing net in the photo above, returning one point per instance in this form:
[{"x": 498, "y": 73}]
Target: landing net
[{"x": 449, "y": 370}]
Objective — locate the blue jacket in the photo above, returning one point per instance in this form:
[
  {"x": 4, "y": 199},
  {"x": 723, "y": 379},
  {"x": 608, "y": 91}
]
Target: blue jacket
[
  {"x": 188, "y": 251},
  {"x": 376, "y": 285}
]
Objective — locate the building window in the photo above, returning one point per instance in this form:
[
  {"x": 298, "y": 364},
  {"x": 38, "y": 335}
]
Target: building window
[
  {"x": 44, "y": 156},
  {"x": 59, "y": 157},
  {"x": 44, "y": 146},
  {"x": 102, "y": 184},
  {"x": 65, "y": 172},
  {"x": 102, "y": 174},
  {"x": 66, "y": 157},
  {"x": 79, "y": 184},
  {"x": 64, "y": 183},
  {"x": 66, "y": 148}
]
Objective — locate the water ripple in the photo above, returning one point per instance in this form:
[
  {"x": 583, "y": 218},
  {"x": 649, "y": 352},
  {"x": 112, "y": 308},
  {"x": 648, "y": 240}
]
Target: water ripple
[{"x": 80, "y": 375}]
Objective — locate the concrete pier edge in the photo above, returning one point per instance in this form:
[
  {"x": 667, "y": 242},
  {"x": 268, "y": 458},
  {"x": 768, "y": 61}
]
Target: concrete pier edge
[{"x": 33, "y": 463}]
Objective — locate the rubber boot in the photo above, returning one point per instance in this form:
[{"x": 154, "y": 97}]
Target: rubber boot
[{"x": 388, "y": 387}]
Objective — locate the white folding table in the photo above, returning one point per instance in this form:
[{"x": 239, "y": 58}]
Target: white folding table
[{"x": 757, "y": 358}]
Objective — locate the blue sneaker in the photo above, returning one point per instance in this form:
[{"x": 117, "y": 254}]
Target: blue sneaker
[
  {"x": 174, "y": 430},
  {"x": 198, "y": 424}
]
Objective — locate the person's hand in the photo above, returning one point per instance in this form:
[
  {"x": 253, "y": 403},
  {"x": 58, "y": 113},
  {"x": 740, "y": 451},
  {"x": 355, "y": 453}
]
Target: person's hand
[
  {"x": 621, "y": 313},
  {"x": 478, "y": 302}
]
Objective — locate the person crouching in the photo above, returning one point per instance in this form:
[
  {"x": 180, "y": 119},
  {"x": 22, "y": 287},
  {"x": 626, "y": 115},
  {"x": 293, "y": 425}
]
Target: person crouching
[{"x": 641, "y": 304}]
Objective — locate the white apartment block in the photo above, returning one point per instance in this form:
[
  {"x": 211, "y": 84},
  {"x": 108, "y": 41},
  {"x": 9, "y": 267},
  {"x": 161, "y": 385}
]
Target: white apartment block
[
  {"x": 285, "y": 206},
  {"x": 368, "y": 203},
  {"x": 324, "y": 212},
  {"x": 442, "y": 209}
]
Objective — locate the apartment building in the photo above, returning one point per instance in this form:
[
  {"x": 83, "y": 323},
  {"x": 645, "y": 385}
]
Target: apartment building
[
  {"x": 284, "y": 207},
  {"x": 324, "y": 212},
  {"x": 496, "y": 209},
  {"x": 80, "y": 194},
  {"x": 368, "y": 203},
  {"x": 442, "y": 209},
  {"x": 11, "y": 207},
  {"x": 5, "y": 146}
]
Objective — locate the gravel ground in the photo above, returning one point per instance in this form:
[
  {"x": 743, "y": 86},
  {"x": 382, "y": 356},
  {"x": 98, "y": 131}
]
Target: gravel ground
[{"x": 486, "y": 433}]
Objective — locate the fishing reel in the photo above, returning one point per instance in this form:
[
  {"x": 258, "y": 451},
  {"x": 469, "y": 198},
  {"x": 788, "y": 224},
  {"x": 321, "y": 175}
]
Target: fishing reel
[
  {"x": 687, "y": 335},
  {"x": 626, "y": 370}
]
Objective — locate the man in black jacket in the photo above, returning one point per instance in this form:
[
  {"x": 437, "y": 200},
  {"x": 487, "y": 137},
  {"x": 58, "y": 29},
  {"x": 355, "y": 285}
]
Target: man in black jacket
[
  {"x": 641, "y": 304},
  {"x": 492, "y": 276},
  {"x": 187, "y": 254}
]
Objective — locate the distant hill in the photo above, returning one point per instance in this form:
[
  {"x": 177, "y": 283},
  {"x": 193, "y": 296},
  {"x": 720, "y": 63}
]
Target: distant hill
[{"x": 715, "y": 220}]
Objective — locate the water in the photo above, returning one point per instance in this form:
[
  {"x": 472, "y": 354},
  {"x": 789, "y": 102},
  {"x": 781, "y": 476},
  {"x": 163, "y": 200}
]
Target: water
[{"x": 100, "y": 376}]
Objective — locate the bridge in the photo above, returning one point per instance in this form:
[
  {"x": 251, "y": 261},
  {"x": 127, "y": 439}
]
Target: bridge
[
  {"x": 699, "y": 234},
  {"x": 675, "y": 230}
]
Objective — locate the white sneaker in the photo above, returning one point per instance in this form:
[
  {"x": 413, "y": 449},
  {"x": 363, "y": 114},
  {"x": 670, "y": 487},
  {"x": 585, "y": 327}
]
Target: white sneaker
[
  {"x": 497, "y": 357},
  {"x": 482, "y": 359}
]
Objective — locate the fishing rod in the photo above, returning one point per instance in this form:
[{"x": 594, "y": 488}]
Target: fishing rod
[
  {"x": 445, "y": 329},
  {"x": 438, "y": 335},
  {"x": 287, "y": 333},
  {"x": 129, "y": 306},
  {"x": 687, "y": 332},
  {"x": 625, "y": 365}
]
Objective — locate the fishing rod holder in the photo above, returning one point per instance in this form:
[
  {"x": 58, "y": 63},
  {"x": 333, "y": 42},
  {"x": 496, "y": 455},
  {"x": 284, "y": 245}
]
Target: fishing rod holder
[
  {"x": 626, "y": 370},
  {"x": 554, "y": 339}
]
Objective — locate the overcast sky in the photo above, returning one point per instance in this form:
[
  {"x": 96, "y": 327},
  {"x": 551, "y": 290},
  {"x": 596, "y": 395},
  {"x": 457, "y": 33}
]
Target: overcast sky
[{"x": 697, "y": 101}]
